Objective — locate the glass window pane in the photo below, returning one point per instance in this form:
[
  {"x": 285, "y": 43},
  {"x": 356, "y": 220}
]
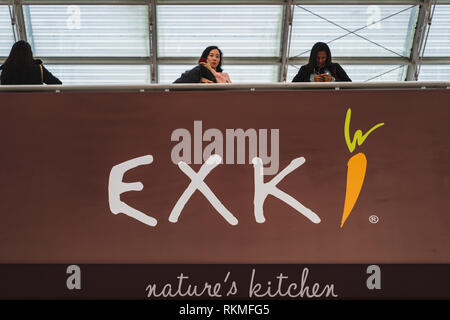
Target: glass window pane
[
  {"x": 438, "y": 42},
  {"x": 375, "y": 72},
  {"x": 244, "y": 31},
  {"x": 364, "y": 72},
  {"x": 82, "y": 31},
  {"x": 101, "y": 74},
  {"x": 253, "y": 73},
  {"x": 6, "y": 33},
  {"x": 332, "y": 24},
  {"x": 434, "y": 73},
  {"x": 237, "y": 73}
]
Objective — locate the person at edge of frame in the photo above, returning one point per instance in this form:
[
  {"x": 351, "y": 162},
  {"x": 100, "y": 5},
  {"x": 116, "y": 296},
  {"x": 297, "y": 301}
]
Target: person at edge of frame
[{"x": 21, "y": 69}]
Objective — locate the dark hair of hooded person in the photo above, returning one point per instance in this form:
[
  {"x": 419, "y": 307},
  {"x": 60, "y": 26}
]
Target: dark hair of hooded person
[
  {"x": 17, "y": 69},
  {"x": 317, "y": 47},
  {"x": 206, "y": 52},
  {"x": 20, "y": 68}
]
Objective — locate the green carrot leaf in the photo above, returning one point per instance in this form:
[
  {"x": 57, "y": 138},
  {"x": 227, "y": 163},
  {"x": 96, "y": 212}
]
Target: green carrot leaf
[{"x": 358, "y": 137}]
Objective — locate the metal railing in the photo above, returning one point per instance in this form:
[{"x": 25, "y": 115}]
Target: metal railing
[{"x": 241, "y": 87}]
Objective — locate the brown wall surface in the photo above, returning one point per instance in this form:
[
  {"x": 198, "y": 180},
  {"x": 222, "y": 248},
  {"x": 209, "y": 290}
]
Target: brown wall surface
[{"x": 57, "y": 151}]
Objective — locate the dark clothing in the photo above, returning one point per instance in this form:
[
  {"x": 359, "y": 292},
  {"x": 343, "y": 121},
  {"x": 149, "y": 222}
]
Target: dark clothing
[
  {"x": 34, "y": 77},
  {"x": 335, "y": 70},
  {"x": 194, "y": 75}
]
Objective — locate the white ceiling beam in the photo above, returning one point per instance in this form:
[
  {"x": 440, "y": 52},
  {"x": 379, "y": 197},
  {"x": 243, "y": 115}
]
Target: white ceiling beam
[
  {"x": 285, "y": 38},
  {"x": 419, "y": 37}
]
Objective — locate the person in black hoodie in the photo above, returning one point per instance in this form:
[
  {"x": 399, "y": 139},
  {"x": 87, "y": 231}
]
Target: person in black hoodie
[
  {"x": 320, "y": 68},
  {"x": 20, "y": 67},
  {"x": 209, "y": 69}
]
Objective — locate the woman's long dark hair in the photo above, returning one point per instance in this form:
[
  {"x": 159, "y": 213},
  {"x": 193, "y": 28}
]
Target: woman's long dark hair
[
  {"x": 317, "y": 47},
  {"x": 205, "y": 55},
  {"x": 17, "y": 68}
]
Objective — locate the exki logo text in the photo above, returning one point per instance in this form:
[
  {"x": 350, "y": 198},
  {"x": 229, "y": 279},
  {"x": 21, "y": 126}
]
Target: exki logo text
[{"x": 213, "y": 156}]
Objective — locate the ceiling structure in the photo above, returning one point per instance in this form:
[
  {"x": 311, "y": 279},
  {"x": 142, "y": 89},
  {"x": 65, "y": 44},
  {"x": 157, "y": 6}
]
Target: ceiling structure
[{"x": 143, "y": 41}]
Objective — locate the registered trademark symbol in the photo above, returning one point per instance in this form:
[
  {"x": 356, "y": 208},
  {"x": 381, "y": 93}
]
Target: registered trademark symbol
[{"x": 373, "y": 219}]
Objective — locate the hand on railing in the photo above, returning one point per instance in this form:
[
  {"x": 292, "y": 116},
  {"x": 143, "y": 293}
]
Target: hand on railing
[{"x": 204, "y": 80}]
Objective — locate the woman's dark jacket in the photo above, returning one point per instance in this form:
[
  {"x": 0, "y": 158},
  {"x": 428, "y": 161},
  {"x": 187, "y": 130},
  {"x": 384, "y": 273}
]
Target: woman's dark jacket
[
  {"x": 34, "y": 77},
  {"x": 336, "y": 71},
  {"x": 194, "y": 75}
]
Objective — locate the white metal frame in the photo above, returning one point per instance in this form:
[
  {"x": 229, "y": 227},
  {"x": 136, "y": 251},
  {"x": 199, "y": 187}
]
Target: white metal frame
[{"x": 412, "y": 62}]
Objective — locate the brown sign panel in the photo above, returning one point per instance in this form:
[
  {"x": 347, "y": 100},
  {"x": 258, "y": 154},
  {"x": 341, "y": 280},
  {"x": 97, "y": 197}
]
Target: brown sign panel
[{"x": 58, "y": 150}]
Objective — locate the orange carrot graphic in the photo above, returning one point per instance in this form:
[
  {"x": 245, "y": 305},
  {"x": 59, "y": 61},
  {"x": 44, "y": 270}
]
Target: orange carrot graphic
[
  {"x": 356, "y": 167},
  {"x": 355, "y": 178}
]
